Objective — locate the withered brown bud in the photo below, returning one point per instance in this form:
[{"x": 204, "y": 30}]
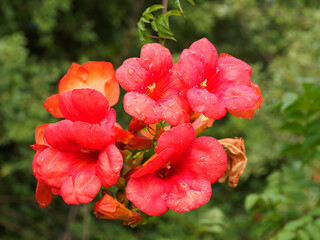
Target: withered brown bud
[{"x": 237, "y": 160}]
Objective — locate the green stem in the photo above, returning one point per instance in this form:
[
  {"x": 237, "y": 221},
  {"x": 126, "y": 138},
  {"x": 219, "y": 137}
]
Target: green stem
[{"x": 164, "y": 10}]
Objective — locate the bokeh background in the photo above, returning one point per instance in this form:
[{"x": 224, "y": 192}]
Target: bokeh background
[{"x": 277, "y": 198}]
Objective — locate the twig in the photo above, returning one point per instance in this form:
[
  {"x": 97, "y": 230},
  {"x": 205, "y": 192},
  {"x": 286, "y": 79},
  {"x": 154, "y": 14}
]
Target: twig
[{"x": 71, "y": 218}]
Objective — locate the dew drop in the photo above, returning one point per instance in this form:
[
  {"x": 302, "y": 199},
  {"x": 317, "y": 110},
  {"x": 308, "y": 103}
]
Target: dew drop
[
  {"x": 137, "y": 110},
  {"x": 130, "y": 71}
]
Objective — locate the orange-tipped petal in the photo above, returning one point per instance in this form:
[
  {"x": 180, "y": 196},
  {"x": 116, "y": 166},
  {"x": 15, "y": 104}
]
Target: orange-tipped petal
[
  {"x": 52, "y": 106},
  {"x": 96, "y": 75},
  {"x": 40, "y": 133},
  {"x": 249, "y": 114}
]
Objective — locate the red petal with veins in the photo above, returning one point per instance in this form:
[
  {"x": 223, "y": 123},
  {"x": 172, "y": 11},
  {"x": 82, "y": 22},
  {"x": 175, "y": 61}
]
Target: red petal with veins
[
  {"x": 203, "y": 101},
  {"x": 141, "y": 107},
  {"x": 206, "y": 158},
  {"x": 80, "y": 188},
  {"x": 175, "y": 110},
  {"x": 109, "y": 166},
  {"x": 156, "y": 59},
  {"x": 52, "y": 167},
  {"x": 132, "y": 76},
  {"x": 178, "y": 138},
  {"x": 188, "y": 194},
  {"x": 232, "y": 71},
  {"x": 249, "y": 113},
  {"x": 149, "y": 193},
  {"x": 86, "y": 105},
  {"x": 240, "y": 98},
  {"x": 73, "y": 136}
]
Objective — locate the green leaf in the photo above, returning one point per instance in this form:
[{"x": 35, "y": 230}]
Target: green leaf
[
  {"x": 302, "y": 235},
  {"x": 294, "y": 127},
  {"x": 288, "y": 99},
  {"x": 191, "y": 2},
  {"x": 312, "y": 141},
  {"x": 251, "y": 201},
  {"x": 155, "y": 25},
  {"x": 285, "y": 235},
  {"x": 148, "y": 16},
  {"x": 177, "y": 5},
  {"x": 153, "y": 8},
  {"x": 174, "y": 13},
  {"x": 166, "y": 36},
  {"x": 143, "y": 35}
]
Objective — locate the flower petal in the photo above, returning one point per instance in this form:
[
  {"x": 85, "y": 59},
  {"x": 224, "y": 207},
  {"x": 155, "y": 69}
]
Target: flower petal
[
  {"x": 109, "y": 166},
  {"x": 132, "y": 76},
  {"x": 197, "y": 63},
  {"x": 232, "y": 71},
  {"x": 179, "y": 138},
  {"x": 95, "y": 75},
  {"x": 240, "y": 98},
  {"x": 155, "y": 163},
  {"x": 52, "y": 167},
  {"x": 205, "y": 159},
  {"x": 175, "y": 110},
  {"x": 202, "y": 101},
  {"x": 80, "y": 188},
  {"x": 52, "y": 106},
  {"x": 148, "y": 193},
  {"x": 40, "y": 134},
  {"x": 141, "y": 107},
  {"x": 188, "y": 194},
  {"x": 86, "y": 105},
  {"x": 73, "y": 136},
  {"x": 156, "y": 59},
  {"x": 249, "y": 113},
  {"x": 43, "y": 194}
]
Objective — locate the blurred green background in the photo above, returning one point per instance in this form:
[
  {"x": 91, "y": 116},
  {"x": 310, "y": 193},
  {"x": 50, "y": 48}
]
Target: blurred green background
[{"x": 278, "y": 196}]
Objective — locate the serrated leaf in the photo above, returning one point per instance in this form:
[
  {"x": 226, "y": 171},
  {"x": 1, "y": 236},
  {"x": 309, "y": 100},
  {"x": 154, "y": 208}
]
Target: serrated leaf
[
  {"x": 141, "y": 26},
  {"x": 251, "y": 201},
  {"x": 164, "y": 19},
  {"x": 143, "y": 35},
  {"x": 177, "y": 5},
  {"x": 191, "y": 2},
  {"x": 148, "y": 16},
  {"x": 144, "y": 20},
  {"x": 153, "y": 8},
  {"x": 155, "y": 25},
  {"x": 288, "y": 99},
  {"x": 165, "y": 36},
  {"x": 174, "y": 13}
]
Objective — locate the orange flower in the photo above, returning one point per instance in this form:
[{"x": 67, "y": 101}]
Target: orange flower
[
  {"x": 109, "y": 208},
  {"x": 96, "y": 75}
]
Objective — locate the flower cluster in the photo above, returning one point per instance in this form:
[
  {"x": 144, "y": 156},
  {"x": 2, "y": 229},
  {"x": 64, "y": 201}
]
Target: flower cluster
[{"x": 171, "y": 104}]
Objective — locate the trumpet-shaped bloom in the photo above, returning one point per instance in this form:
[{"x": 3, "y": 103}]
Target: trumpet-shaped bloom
[
  {"x": 153, "y": 92},
  {"x": 78, "y": 154},
  {"x": 96, "y": 75},
  {"x": 217, "y": 85},
  {"x": 179, "y": 177}
]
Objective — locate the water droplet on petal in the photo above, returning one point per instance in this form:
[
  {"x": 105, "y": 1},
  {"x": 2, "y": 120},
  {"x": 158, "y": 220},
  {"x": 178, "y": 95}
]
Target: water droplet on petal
[{"x": 130, "y": 71}]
